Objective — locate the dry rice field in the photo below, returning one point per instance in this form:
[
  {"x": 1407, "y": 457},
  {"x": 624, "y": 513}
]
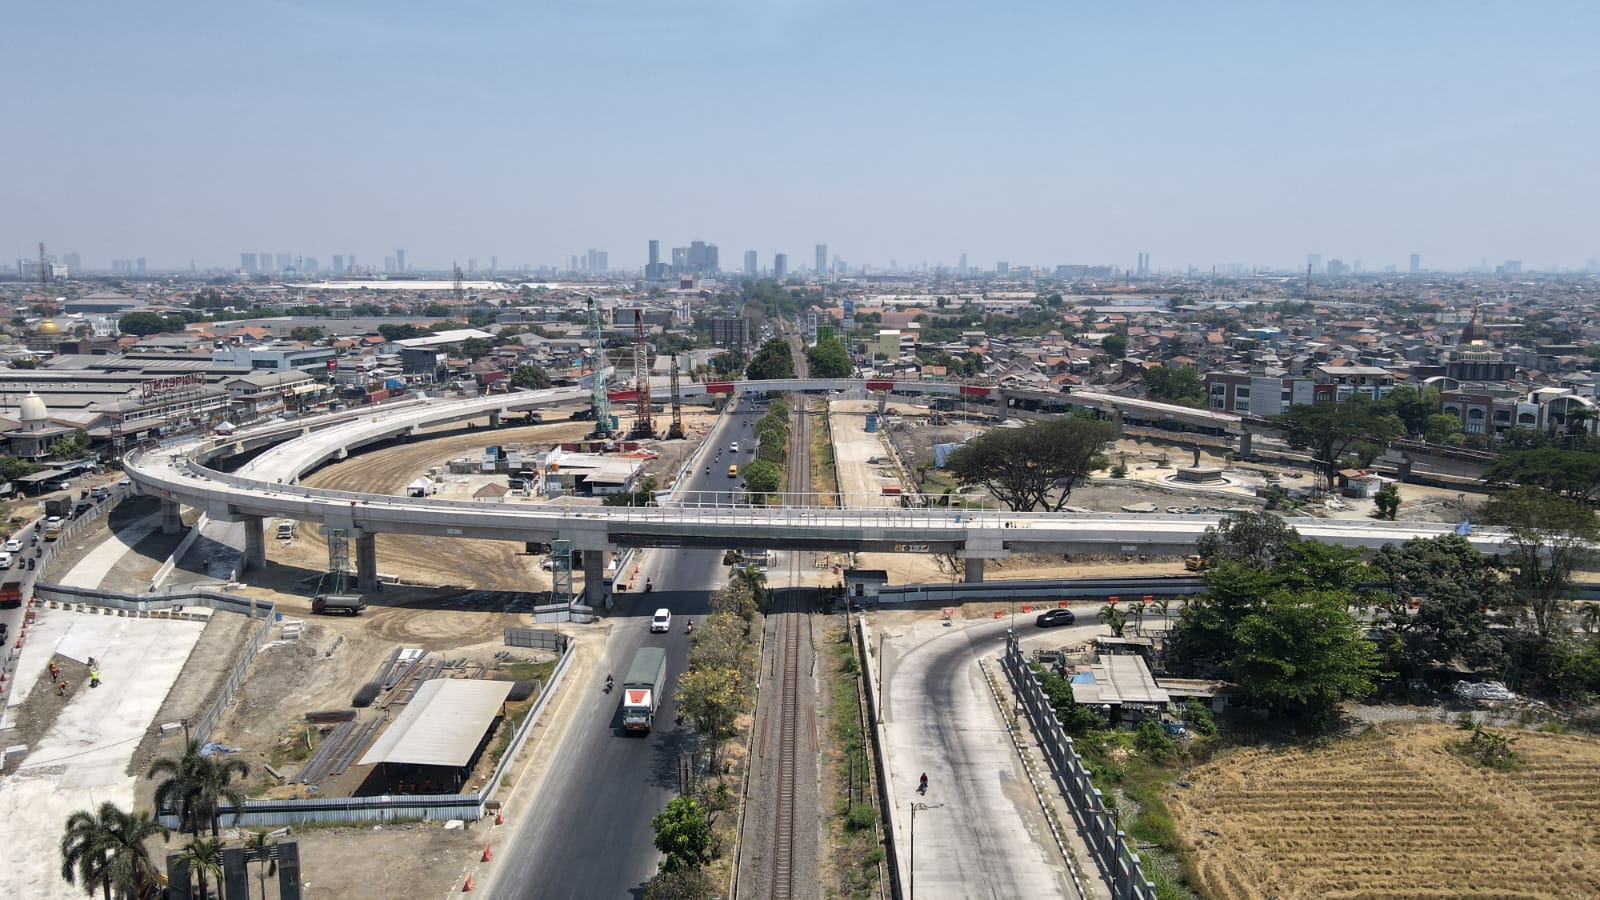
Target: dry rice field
[{"x": 1395, "y": 814}]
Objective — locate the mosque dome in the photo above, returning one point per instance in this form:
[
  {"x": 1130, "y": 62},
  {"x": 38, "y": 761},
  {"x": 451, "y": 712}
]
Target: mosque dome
[
  {"x": 33, "y": 410},
  {"x": 48, "y": 326}
]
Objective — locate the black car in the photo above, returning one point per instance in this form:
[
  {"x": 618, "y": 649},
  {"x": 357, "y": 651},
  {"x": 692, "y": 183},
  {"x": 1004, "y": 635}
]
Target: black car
[{"x": 1055, "y": 617}]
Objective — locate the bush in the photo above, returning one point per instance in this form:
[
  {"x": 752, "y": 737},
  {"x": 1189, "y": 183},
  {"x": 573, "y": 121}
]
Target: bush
[
  {"x": 1152, "y": 741},
  {"x": 1200, "y": 718},
  {"x": 860, "y": 817},
  {"x": 366, "y": 694}
]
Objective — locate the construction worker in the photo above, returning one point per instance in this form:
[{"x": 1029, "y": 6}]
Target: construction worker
[
  {"x": 61, "y": 688},
  {"x": 94, "y": 677},
  {"x": 55, "y": 670}
]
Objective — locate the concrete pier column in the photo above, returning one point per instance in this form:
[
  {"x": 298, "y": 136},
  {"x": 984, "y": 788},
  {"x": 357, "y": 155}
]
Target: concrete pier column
[
  {"x": 973, "y": 570},
  {"x": 255, "y": 544},
  {"x": 171, "y": 516},
  {"x": 594, "y": 577},
  {"x": 1244, "y": 443},
  {"x": 494, "y": 420},
  {"x": 1003, "y": 406},
  {"x": 367, "y": 561},
  {"x": 883, "y": 402}
]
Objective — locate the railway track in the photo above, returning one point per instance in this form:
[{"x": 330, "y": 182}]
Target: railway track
[{"x": 788, "y": 763}]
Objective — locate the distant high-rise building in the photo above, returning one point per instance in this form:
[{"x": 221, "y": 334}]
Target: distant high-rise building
[
  {"x": 596, "y": 262},
  {"x": 247, "y": 262},
  {"x": 1336, "y": 268},
  {"x": 732, "y": 332},
  {"x": 74, "y": 262},
  {"x": 1416, "y": 264},
  {"x": 652, "y": 269},
  {"x": 388, "y": 264},
  {"x": 141, "y": 265},
  {"x": 750, "y": 264},
  {"x": 1314, "y": 260},
  {"x": 351, "y": 263},
  {"x": 265, "y": 259},
  {"x": 338, "y": 264},
  {"x": 472, "y": 264},
  {"x": 961, "y": 267},
  {"x": 400, "y": 260},
  {"x": 1002, "y": 268},
  {"x": 309, "y": 265},
  {"x": 285, "y": 262},
  {"x": 822, "y": 260},
  {"x": 1510, "y": 267},
  {"x": 780, "y": 266},
  {"x": 494, "y": 263}
]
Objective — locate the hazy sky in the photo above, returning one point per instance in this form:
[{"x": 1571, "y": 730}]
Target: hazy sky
[{"x": 1038, "y": 133}]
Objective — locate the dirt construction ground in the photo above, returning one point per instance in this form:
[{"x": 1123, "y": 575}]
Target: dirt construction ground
[{"x": 1394, "y": 813}]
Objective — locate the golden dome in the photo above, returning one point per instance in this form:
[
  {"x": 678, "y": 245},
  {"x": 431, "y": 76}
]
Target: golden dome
[{"x": 48, "y": 326}]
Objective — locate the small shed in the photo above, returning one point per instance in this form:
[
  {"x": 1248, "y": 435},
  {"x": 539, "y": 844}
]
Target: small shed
[
  {"x": 865, "y": 583},
  {"x": 440, "y": 732},
  {"x": 491, "y": 492},
  {"x": 1122, "y": 686}
]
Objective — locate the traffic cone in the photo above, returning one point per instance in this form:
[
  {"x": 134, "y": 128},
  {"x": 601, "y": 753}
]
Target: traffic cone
[
  {"x": 486, "y": 854},
  {"x": 998, "y": 613},
  {"x": 499, "y": 817},
  {"x": 466, "y": 888}
]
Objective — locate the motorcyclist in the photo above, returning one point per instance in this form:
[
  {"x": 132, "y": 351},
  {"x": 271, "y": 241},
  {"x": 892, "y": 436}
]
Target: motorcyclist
[
  {"x": 649, "y": 585},
  {"x": 689, "y": 629},
  {"x": 922, "y": 786}
]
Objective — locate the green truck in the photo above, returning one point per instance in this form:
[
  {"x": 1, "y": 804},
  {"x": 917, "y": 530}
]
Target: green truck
[{"x": 641, "y": 690}]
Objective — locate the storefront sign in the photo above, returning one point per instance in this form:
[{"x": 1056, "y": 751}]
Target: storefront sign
[{"x": 170, "y": 385}]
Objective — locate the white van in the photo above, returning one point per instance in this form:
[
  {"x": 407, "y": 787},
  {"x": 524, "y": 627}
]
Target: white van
[{"x": 285, "y": 531}]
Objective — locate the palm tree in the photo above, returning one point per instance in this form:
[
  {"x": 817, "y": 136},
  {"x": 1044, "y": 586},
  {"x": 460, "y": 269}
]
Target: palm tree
[
  {"x": 204, "y": 856},
  {"x": 1114, "y": 619},
  {"x": 261, "y": 840},
  {"x": 194, "y": 784},
  {"x": 1163, "y": 608},
  {"x": 1136, "y": 613},
  {"x": 108, "y": 848},
  {"x": 751, "y": 578},
  {"x": 1589, "y": 615}
]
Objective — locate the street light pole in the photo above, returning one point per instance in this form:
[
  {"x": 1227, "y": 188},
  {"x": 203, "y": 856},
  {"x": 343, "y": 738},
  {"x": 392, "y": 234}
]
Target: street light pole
[{"x": 911, "y": 881}]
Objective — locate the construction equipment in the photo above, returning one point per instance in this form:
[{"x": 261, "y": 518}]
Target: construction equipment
[
  {"x": 644, "y": 423},
  {"x": 604, "y": 424},
  {"x": 675, "y": 430}
]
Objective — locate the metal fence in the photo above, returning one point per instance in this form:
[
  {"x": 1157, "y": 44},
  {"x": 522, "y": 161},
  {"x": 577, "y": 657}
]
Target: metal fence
[
  {"x": 1046, "y": 589},
  {"x": 1107, "y": 842},
  {"x": 536, "y": 638}
]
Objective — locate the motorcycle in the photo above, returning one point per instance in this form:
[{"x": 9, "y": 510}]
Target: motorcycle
[
  {"x": 610, "y": 682},
  {"x": 922, "y": 788},
  {"x": 689, "y": 629},
  {"x": 649, "y": 585}
]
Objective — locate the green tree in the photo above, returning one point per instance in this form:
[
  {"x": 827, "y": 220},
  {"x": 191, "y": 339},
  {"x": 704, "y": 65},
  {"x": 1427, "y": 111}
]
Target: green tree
[
  {"x": 309, "y": 333},
  {"x": 261, "y": 840},
  {"x": 195, "y": 786},
  {"x": 1115, "y": 345},
  {"x": 1175, "y": 384},
  {"x": 1256, "y": 538},
  {"x": 749, "y": 579},
  {"x": 1453, "y": 586},
  {"x": 12, "y": 468},
  {"x": 712, "y": 697},
  {"x": 762, "y": 478},
  {"x": 828, "y": 358},
  {"x": 1414, "y": 406},
  {"x": 204, "y": 856},
  {"x": 683, "y": 834},
  {"x": 1151, "y": 740},
  {"x": 142, "y": 324},
  {"x": 531, "y": 376},
  {"x": 728, "y": 364},
  {"x": 108, "y": 849},
  {"x": 1302, "y": 654},
  {"x": 1113, "y": 618},
  {"x": 1549, "y": 537},
  {"x": 436, "y": 311},
  {"x": 773, "y": 360},
  {"x": 1571, "y": 473},
  {"x": 1329, "y": 430},
  {"x": 400, "y": 331},
  {"x": 1388, "y": 500},
  {"x": 1442, "y": 428},
  {"x": 642, "y": 495},
  {"x": 472, "y": 348},
  {"x": 1036, "y": 465}
]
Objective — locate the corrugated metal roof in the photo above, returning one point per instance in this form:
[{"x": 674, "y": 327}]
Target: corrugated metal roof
[{"x": 442, "y": 725}]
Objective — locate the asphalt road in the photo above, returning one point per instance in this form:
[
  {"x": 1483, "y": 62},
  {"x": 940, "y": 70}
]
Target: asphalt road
[{"x": 588, "y": 831}]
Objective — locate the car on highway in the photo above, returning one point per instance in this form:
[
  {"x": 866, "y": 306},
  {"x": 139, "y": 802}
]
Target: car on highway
[
  {"x": 661, "y": 621},
  {"x": 13, "y": 546},
  {"x": 733, "y": 447},
  {"x": 5, "y": 560},
  {"x": 1055, "y": 617}
]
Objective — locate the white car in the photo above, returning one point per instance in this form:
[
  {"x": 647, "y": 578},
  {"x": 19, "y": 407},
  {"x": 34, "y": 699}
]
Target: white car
[
  {"x": 13, "y": 546},
  {"x": 5, "y": 560},
  {"x": 661, "y": 621},
  {"x": 733, "y": 447}
]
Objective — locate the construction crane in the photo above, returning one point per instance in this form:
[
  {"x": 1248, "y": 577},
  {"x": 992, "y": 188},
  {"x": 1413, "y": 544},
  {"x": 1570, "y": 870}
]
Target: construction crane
[
  {"x": 601, "y": 396},
  {"x": 461, "y": 289},
  {"x": 644, "y": 424},
  {"x": 675, "y": 431}
]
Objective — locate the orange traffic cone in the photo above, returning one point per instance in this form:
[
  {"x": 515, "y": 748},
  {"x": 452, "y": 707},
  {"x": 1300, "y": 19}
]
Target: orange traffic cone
[
  {"x": 486, "y": 854},
  {"x": 468, "y": 886}
]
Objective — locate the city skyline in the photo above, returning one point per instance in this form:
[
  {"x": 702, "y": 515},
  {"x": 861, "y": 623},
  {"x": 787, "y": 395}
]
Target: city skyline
[{"x": 1454, "y": 133}]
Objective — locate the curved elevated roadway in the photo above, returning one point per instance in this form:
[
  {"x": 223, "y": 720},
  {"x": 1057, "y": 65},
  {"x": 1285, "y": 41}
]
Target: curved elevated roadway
[{"x": 267, "y": 487}]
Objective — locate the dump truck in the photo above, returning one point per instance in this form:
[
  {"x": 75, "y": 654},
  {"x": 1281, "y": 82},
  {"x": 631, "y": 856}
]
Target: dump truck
[
  {"x": 641, "y": 689},
  {"x": 11, "y": 595}
]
